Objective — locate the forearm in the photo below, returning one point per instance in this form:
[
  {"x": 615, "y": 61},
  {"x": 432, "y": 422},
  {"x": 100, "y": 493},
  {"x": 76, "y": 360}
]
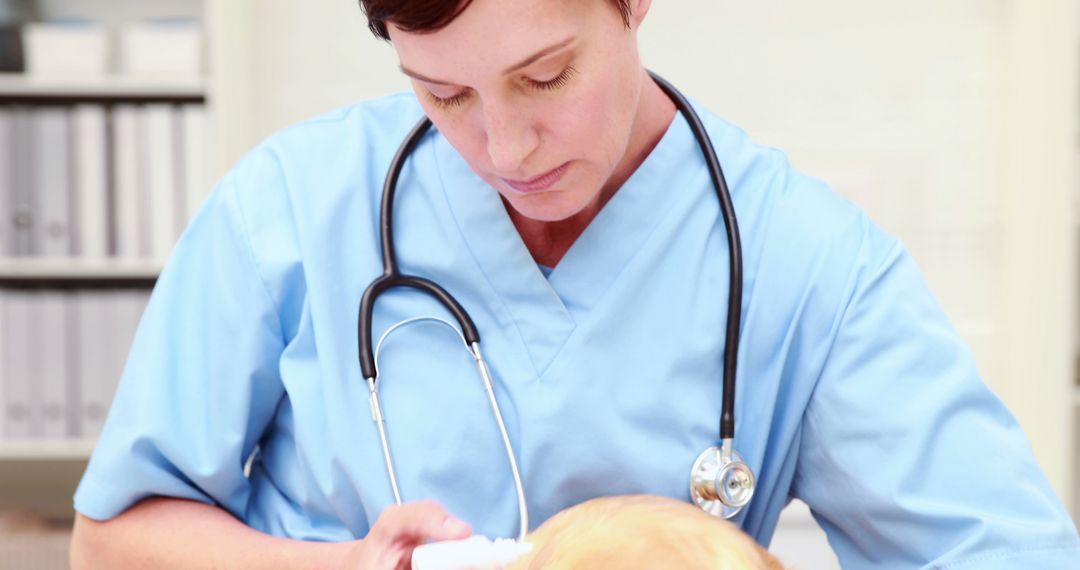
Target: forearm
[{"x": 163, "y": 533}]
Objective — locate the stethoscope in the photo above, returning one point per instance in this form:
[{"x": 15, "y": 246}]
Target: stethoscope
[{"x": 721, "y": 483}]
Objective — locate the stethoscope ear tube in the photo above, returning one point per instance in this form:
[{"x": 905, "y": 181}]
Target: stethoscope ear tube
[
  {"x": 379, "y": 418},
  {"x": 391, "y": 276},
  {"x": 727, "y": 208},
  {"x": 386, "y": 210},
  {"x": 721, "y": 483}
]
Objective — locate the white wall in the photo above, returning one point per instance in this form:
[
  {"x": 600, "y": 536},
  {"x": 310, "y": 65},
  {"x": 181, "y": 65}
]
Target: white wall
[
  {"x": 897, "y": 105},
  {"x": 330, "y": 56},
  {"x": 300, "y": 59},
  {"x": 954, "y": 125}
]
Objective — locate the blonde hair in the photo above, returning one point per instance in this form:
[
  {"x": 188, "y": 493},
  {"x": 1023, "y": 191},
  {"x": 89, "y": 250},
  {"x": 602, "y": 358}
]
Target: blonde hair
[{"x": 641, "y": 531}]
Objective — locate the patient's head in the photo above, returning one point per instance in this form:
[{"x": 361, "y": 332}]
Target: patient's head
[{"x": 641, "y": 531}]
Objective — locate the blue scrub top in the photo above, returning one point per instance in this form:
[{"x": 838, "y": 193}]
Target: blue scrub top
[{"x": 855, "y": 394}]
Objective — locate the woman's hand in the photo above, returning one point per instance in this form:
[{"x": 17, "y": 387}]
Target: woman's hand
[{"x": 400, "y": 529}]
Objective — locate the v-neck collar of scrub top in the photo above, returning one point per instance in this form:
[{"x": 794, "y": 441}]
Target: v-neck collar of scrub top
[{"x": 546, "y": 310}]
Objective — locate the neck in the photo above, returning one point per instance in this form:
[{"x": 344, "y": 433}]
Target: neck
[{"x": 548, "y": 242}]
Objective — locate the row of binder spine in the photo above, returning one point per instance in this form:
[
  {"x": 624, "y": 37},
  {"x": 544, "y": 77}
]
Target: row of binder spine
[
  {"x": 99, "y": 181},
  {"x": 94, "y": 181},
  {"x": 62, "y": 353}
]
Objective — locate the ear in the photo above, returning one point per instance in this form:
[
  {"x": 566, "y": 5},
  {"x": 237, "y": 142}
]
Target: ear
[{"x": 638, "y": 9}]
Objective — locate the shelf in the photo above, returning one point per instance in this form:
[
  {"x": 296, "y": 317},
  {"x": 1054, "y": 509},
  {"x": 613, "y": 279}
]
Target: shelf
[
  {"x": 21, "y": 88},
  {"x": 46, "y": 449},
  {"x": 77, "y": 273}
]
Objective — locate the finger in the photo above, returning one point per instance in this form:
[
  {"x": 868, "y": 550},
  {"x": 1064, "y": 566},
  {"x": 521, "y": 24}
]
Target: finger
[{"x": 422, "y": 521}]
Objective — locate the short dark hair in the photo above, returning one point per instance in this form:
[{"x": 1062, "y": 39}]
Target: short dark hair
[{"x": 431, "y": 15}]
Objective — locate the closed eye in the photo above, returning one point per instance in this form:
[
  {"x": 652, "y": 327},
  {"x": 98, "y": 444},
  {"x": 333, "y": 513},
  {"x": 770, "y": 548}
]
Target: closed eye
[
  {"x": 449, "y": 102},
  {"x": 556, "y": 82},
  {"x": 552, "y": 84}
]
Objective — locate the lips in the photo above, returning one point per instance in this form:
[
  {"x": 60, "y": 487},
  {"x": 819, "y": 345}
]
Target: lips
[{"x": 538, "y": 183}]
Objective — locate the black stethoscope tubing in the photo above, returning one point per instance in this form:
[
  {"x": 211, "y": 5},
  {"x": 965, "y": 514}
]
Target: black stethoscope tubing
[
  {"x": 731, "y": 224},
  {"x": 392, "y": 276}
]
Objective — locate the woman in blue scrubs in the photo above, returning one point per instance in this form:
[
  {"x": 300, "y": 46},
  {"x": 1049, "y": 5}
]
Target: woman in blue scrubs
[{"x": 565, "y": 204}]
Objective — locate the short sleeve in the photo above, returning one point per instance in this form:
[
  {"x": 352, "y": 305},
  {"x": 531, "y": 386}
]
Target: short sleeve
[
  {"x": 201, "y": 381},
  {"x": 907, "y": 459}
]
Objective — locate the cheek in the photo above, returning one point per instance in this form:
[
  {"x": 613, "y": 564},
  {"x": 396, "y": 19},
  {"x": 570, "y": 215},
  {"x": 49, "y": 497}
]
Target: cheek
[
  {"x": 464, "y": 135},
  {"x": 595, "y": 122},
  {"x": 459, "y": 131}
]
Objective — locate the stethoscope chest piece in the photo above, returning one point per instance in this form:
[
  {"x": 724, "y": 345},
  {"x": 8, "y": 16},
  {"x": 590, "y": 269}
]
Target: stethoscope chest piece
[{"x": 721, "y": 485}]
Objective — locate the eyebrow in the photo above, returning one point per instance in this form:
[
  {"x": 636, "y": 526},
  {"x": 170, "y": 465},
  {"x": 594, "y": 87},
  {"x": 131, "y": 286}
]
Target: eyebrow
[{"x": 517, "y": 66}]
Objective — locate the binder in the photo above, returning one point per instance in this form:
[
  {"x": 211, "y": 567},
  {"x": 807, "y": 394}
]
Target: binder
[
  {"x": 50, "y": 351},
  {"x": 195, "y": 185},
  {"x": 105, "y": 328},
  {"x": 90, "y": 181},
  {"x": 159, "y": 157},
  {"x": 133, "y": 304},
  {"x": 94, "y": 360},
  {"x": 22, "y": 206},
  {"x": 20, "y": 331},
  {"x": 128, "y": 309},
  {"x": 7, "y": 182},
  {"x": 52, "y": 171},
  {"x": 126, "y": 234}
]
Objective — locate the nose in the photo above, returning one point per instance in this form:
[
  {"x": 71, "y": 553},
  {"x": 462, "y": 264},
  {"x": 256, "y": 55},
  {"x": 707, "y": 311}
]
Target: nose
[{"x": 511, "y": 137}]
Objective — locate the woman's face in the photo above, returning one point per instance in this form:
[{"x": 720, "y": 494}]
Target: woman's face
[{"x": 538, "y": 96}]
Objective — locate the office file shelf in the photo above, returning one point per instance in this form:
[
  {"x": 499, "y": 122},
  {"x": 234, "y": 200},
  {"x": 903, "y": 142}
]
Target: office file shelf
[
  {"x": 61, "y": 449},
  {"x": 77, "y": 274},
  {"x": 99, "y": 174},
  {"x": 22, "y": 89}
]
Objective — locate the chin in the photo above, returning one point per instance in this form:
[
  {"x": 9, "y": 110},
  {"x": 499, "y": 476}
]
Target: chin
[{"x": 545, "y": 207}]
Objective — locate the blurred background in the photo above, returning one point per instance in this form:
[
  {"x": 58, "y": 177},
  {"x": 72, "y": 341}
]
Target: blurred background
[{"x": 954, "y": 124}]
